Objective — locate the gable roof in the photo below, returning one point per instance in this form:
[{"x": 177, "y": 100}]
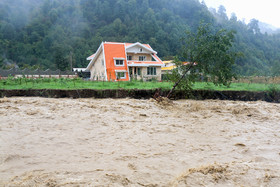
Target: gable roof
[
  {"x": 145, "y": 46},
  {"x": 91, "y": 57},
  {"x": 94, "y": 57}
]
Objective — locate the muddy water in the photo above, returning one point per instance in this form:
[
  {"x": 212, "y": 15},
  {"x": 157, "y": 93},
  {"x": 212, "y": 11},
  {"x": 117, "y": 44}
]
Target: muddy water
[{"x": 127, "y": 142}]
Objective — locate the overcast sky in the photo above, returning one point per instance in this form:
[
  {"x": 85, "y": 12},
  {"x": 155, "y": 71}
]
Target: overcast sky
[{"x": 267, "y": 11}]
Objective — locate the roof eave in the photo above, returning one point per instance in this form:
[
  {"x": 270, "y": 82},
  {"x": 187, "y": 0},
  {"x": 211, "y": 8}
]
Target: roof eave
[
  {"x": 94, "y": 58},
  {"x": 137, "y": 43}
]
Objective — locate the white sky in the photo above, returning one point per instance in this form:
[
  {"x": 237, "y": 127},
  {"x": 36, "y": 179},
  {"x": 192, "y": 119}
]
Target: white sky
[{"x": 267, "y": 11}]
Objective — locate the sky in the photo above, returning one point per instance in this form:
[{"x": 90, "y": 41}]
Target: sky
[{"x": 263, "y": 10}]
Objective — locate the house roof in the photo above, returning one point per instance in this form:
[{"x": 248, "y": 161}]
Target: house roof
[
  {"x": 145, "y": 46},
  {"x": 168, "y": 68},
  {"x": 91, "y": 57},
  {"x": 129, "y": 45},
  {"x": 170, "y": 65}
]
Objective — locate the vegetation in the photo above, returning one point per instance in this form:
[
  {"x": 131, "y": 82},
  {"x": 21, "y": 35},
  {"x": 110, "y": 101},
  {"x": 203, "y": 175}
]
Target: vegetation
[
  {"x": 208, "y": 54},
  {"x": 60, "y": 33},
  {"x": 77, "y": 83},
  {"x": 69, "y": 84}
]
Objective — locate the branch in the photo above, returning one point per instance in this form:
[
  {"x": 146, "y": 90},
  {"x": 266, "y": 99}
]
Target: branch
[{"x": 182, "y": 77}]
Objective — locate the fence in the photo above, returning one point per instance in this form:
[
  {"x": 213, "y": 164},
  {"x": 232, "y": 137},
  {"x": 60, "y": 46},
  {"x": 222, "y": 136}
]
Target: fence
[{"x": 15, "y": 72}]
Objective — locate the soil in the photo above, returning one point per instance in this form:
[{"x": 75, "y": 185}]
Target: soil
[
  {"x": 269, "y": 96},
  {"x": 129, "y": 142}
]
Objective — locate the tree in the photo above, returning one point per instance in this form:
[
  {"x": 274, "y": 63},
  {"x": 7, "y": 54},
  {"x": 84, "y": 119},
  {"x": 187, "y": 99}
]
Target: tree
[
  {"x": 254, "y": 26},
  {"x": 208, "y": 55},
  {"x": 60, "y": 59},
  {"x": 233, "y": 17},
  {"x": 1, "y": 61},
  {"x": 222, "y": 12},
  {"x": 275, "y": 70}
]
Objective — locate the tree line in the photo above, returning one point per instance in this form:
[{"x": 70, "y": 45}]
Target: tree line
[{"x": 54, "y": 34}]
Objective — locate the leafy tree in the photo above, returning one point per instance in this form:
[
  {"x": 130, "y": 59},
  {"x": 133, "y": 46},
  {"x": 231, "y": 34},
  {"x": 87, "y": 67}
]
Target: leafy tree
[
  {"x": 208, "y": 55},
  {"x": 1, "y": 61},
  {"x": 222, "y": 12},
  {"x": 60, "y": 59},
  {"x": 254, "y": 26},
  {"x": 276, "y": 68}
]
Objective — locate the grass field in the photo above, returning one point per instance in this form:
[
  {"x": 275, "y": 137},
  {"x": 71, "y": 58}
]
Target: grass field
[{"x": 64, "y": 83}]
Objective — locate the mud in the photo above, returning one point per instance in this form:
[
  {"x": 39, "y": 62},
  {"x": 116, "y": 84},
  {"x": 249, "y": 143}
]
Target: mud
[
  {"x": 128, "y": 142},
  {"x": 269, "y": 96}
]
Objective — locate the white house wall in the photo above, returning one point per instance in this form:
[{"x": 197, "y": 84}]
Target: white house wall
[
  {"x": 144, "y": 75},
  {"x": 97, "y": 71},
  {"x": 135, "y": 57},
  {"x": 147, "y": 77}
]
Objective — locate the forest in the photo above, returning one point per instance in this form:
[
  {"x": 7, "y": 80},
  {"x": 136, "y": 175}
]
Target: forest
[{"x": 60, "y": 34}]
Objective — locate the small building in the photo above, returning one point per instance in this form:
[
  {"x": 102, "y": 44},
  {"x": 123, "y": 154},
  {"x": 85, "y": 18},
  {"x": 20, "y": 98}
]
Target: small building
[
  {"x": 124, "y": 61},
  {"x": 82, "y": 72},
  {"x": 168, "y": 66}
]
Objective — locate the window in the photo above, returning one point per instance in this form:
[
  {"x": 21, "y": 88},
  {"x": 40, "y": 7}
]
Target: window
[
  {"x": 119, "y": 62},
  {"x": 151, "y": 71},
  {"x": 129, "y": 57},
  {"x": 140, "y": 49},
  {"x": 120, "y": 75},
  {"x": 142, "y": 58},
  {"x": 139, "y": 71}
]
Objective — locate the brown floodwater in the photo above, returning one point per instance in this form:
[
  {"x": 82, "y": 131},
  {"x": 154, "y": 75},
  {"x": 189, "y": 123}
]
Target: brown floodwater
[{"x": 128, "y": 142}]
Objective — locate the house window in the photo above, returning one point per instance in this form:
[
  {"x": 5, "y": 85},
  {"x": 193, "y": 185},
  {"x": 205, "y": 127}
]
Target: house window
[
  {"x": 129, "y": 57},
  {"x": 151, "y": 71},
  {"x": 140, "y": 49},
  {"x": 139, "y": 71},
  {"x": 142, "y": 58},
  {"x": 120, "y": 75},
  {"x": 119, "y": 62}
]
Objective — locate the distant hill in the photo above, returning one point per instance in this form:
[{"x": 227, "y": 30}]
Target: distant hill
[
  {"x": 42, "y": 33},
  {"x": 269, "y": 29}
]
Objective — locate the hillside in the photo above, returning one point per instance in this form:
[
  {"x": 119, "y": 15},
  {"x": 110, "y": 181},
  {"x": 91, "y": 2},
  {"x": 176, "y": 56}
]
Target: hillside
[
  {"x": 50, "y": 33},
  {"x": 269, "y": 29}
]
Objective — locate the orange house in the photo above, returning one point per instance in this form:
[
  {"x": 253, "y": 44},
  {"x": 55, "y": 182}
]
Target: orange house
[{"x": 124, "y": 61}]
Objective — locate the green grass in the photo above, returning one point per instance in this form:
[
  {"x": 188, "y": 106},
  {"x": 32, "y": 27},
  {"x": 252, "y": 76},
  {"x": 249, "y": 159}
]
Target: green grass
[
  {"x": 70, "y": 84},
  {"x": 237, "y": 87}
]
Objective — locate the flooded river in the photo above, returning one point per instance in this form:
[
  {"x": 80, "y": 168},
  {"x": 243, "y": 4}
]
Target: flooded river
[{"x": 128, "y": 142}]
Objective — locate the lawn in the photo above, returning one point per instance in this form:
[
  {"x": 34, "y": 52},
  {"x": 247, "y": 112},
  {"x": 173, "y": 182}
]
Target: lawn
[
  {"x": 70, "y": 84},
  {"x": 237, "y": 87}
]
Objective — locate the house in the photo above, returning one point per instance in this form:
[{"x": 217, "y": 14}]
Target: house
[
  {"x": 124, "y": 61},
  {"x": 168, "y": 66}
]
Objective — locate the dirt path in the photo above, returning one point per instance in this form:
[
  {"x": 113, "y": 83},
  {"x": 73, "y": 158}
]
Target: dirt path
[{"x": 127, "y": 142}]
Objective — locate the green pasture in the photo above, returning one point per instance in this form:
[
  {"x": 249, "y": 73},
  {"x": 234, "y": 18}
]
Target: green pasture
[{"x": 77, "y": 83}]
